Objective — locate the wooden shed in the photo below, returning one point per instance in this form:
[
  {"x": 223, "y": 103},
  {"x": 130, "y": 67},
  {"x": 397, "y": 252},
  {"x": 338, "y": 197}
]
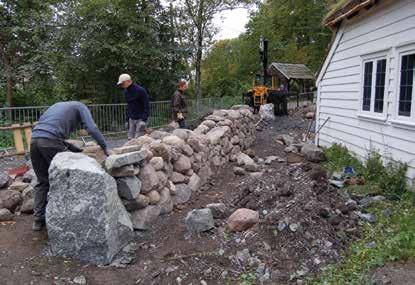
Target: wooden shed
[{"x": 287, "y": 75}]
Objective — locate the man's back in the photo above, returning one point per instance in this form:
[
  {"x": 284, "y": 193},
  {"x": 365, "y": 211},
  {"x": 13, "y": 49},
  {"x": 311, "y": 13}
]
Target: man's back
[{"x": 63, "y": 118}]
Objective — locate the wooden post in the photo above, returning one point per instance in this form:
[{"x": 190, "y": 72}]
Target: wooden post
[
  {"x": 28, "y": 133},
  {"x": 18, "y": 139}
]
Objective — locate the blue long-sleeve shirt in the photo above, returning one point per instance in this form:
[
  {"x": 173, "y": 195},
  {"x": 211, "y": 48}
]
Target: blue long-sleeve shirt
[
  {"x": 61, "y": 119},
  {"x": 138, "y": 105}
]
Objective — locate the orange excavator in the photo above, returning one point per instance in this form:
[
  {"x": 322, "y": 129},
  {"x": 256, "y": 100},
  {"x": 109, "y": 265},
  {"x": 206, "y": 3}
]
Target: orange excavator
[{"x": 260, "y": 93}]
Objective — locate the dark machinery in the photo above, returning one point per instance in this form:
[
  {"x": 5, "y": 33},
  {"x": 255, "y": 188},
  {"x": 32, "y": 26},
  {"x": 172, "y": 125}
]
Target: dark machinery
[{"x": 260, "y": 93}]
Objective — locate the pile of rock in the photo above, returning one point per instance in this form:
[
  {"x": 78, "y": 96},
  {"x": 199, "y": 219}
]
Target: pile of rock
[
  {"x": 310, "y": 151},
  {"x": 16, "y": 195}
]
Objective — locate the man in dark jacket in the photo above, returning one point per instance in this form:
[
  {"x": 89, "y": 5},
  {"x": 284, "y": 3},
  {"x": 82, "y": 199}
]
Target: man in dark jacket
[
  {"x": 138, "y": 106},
  {"x": 179, "y": 104},
  {"x": 48, "y": 139}
]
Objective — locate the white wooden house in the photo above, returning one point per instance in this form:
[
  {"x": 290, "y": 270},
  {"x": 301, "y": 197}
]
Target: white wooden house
[{"x": 366, "y": 84}]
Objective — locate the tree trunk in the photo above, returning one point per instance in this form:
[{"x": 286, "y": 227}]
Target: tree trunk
[
  {"x": 198, "y": 64},
  {"x": 9, "y": 80},
  {"x": 199, "y": 49}
]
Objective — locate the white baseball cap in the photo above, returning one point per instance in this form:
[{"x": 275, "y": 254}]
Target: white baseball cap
[{"x": 123, "y": 77}]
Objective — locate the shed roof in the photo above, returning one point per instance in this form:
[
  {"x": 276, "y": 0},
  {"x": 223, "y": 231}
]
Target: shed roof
[
  {"x": 292, "y": 70},
  {"x": 346, "y": 9}
]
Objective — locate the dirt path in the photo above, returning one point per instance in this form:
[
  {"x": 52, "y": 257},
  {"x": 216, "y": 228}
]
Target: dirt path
[{"x": 167, "y": 254}]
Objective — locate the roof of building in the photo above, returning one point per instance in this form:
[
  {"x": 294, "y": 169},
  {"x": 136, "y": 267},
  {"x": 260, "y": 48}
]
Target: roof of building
[
  {"x": 346, "y": 9},
  {"x": 292, "y": 71}
]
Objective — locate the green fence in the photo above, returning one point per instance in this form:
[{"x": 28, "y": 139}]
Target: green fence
[{"x": 110, "y": 118}]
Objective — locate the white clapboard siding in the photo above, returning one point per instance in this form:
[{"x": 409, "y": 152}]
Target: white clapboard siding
[{"x": 380, "y": 29}]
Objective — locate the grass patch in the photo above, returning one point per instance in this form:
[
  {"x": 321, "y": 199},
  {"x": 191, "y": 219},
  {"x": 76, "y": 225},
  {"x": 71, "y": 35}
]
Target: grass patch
[
  {"x": 338, "y": 157},
  {"x": 387, "y": 178},
  {"x": 394, "y": 237}
]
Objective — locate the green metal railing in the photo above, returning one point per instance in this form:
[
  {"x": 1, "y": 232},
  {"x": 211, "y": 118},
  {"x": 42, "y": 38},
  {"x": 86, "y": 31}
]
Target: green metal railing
[{"x": 110, "y": 118}]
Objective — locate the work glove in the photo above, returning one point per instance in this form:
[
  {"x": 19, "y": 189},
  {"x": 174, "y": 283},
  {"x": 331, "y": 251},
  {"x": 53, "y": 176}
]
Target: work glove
[{"x": 180, "y": 116}]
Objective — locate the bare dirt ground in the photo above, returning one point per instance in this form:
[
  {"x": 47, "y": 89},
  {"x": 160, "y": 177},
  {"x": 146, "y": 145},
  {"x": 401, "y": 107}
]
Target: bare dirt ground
[
  {"x": 395, "y": 274},
  {"x": 301, "y": 230}
]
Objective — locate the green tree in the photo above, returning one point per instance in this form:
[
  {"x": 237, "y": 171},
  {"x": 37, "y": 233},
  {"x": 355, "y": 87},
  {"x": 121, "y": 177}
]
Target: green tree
[
  {"x": 293, "y": 29},
  {"x": 23, "y": 31},
  {"x": 197, "y": 16}
]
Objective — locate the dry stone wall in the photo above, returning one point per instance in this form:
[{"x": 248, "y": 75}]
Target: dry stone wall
[
  {"x": 177, "y": 164},
  {"x": 142, "y": 180}
]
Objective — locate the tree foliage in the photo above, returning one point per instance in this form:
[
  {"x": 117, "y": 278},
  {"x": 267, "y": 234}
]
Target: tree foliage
[
  {"x": 295, "y": 34},
  {"x": 85, "y": 45},
  {"x": 53, "y": 50}
]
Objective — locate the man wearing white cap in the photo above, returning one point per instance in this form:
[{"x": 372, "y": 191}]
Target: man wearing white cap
[{"x": 138, "y": 106}]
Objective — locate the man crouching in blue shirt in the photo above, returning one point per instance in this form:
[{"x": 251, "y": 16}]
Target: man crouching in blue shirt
[
  {"x": 48, "y": 138},
  {"x": 138, "y": 106}
]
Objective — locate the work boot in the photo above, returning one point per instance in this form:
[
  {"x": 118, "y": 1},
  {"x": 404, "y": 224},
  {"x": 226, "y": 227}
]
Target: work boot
[{"x": 38, "y": 225}]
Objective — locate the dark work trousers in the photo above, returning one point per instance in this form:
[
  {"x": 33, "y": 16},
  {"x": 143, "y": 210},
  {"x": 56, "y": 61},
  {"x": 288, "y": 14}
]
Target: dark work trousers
[
  {"x": 42, "y": 152},
  {"x": 182, "y": 124}
]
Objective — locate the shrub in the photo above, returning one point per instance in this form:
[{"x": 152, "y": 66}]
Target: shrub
[
  {"x": 389, "y": 178},
  {"x": 338, "y": 157}
]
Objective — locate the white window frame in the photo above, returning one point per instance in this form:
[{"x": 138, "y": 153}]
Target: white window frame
[
  {"x": 398, "y": 120},
  {"x": 371, "y": 114}
]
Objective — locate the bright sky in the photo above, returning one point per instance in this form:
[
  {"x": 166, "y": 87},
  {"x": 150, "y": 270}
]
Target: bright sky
[{"x": 231, "y": 23}]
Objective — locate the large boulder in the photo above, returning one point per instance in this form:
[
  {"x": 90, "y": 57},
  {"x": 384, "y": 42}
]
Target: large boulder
[
  {"x": 218, "y": 210},
  {"x": 182, "y": 164},
  {"x": 154, "y": 197},
  {"x": 215, "y": 135},
  {"x": 123, "y": 171},
  {"x": 199, "y": 220},
  {"x": 157, "y": 163},
  {"x": 126, "y": 149},
  {"x": 85, "y": 218},
  {"x": 166, "y": 202},
  {"x": 149, "y": 178},
  {"x": 244, "y": 159},
  {"x": 144, "y": 218},
  {"x": 128, "y": 187},
  {"x": 162, "y": 179},
  {"x": 158, "y": 135},
  {"x": 6, "y": 215},
  {"x": 173, "y": 141},
  {"x": 187, "y": 150},
  {"x": 5, "y": 180},
  {"x": 209, "y": 123},
  {"x": 11, "y": 199},
  {"x": 28, "y": 193},
  {"x": 197, "y": 142},
  {"x": 182, "y": 133},
  {"x": 138, "y": 203},
  {"x": 119, "y": 160},
  {"x": 242, "y": 219},
  {"x": 161, "y": 150},
  {"x": 177, "y": 178},
  {"x": 140, "y": 141},
  {"x": 313, "y": 153},
  {"x": 195, "y": 182},
  {"x": 18, "y": 186},
  {"x": 27, "y": 206},
  {"x": 183, "y": 194}
]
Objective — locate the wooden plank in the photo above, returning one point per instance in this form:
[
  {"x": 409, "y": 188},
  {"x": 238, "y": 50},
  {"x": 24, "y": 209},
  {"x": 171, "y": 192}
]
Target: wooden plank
[{"x": 18, "y": 139}]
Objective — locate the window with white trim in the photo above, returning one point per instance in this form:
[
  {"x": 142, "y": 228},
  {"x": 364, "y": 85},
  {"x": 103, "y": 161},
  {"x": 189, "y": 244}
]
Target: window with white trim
[
  {"x": 406, "y": 87},
  {"x": 374, "y": 79}
]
